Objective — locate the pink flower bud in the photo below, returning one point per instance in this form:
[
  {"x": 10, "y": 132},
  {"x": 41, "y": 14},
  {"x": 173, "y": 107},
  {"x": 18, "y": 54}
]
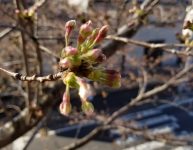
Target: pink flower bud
[
  {"x": 86, "y": 29},
  {"x": 70, "y": 62},
  {"x": 65, "y": 63},
  {"x": 101, "y": 35},
  {"x": 69, "y": 26},
  {"x": 65, "y": 106},
  {"x": 70, "y": 51},
  {"x": 92, "y": 55}
]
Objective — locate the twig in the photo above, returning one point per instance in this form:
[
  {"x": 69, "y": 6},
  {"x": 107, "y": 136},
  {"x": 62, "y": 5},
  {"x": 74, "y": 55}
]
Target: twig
[
  {"x": 18, "y": 76},
  {"x": 142, "y": 84},
  {"x": 45, "y": 49},
  {"x": 165, "y": 47},
  {"x": 5, "y": 32},
  {"x": 24, "y": 51}
]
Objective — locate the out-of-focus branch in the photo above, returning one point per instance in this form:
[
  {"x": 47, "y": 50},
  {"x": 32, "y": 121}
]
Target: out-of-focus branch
[
  {"x": 110, "y": 47},
  {"x": 125, "y": 108},
  {"x": 18, "y": 125},
  {"x": 5, "y": 32},
  {"x": 48, "y": 51},
  {"x": 166, "y": 47},
  {"x": 148, "y": 135},
  {"x": 19, "y": 6},
  {"x": 38, "y": 127}
]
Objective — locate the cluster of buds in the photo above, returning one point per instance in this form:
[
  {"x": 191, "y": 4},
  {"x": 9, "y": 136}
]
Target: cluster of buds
[{"x": 79, "y": 63}]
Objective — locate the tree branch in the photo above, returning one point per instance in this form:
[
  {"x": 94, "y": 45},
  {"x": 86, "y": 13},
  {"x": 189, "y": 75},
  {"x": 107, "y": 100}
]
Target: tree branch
[
  {"x": 18, "y": 76},
  {"x": 165, "y": 47}
]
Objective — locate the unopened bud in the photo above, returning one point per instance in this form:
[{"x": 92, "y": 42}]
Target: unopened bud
[
  {"x": 101, "y": 35},
  {"x": 92, "y": 37},
  {"x": 65, "y": 63},
  {"x": 70, "y": 62},
  {"x": 110, "y": 78},
  {"x": 65, "y": 106},
  {"x": 87, "y": 107},
  {"x": 94, "y": 55},
  {"x": 69, "y": 26},
  {"x": 85, "y": 31},
  {"x": 85, "y": 90},
  {"x": 69, "y": 51}
]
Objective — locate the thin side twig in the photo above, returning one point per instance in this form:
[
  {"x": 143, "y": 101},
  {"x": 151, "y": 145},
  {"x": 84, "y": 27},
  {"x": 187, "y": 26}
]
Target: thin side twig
[{"x": 165, "y": 47}]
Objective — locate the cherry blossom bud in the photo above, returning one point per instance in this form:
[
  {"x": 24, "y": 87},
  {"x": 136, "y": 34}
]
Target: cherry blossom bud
[
  {"x": 110, "y": 78},
  {"x": 70, "y": 62},
  {"x": 65, "y": 63},
  {"x": 85, "y": 31},
  {"x": 69, "y": 26},
  {"x": 87, "y": 107},
  {"x": 65, "y": 106},
  {"x": 92, "y": 37},
  {"x": 69, "y": 51},
  {"x": 94, "y": 34},
  {"x": 85, "y": 91},
  {"x": 94, "y": 55},
  {"x": 101, "y": 34}
]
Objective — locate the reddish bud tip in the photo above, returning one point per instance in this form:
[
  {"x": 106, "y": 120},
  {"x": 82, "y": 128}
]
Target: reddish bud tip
[
  {"x": 70, "y": 25},
  {"x": 70, "y": 51},
  {"x": 102, "y": 34},
  {"x": 86, "y": 29}
]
